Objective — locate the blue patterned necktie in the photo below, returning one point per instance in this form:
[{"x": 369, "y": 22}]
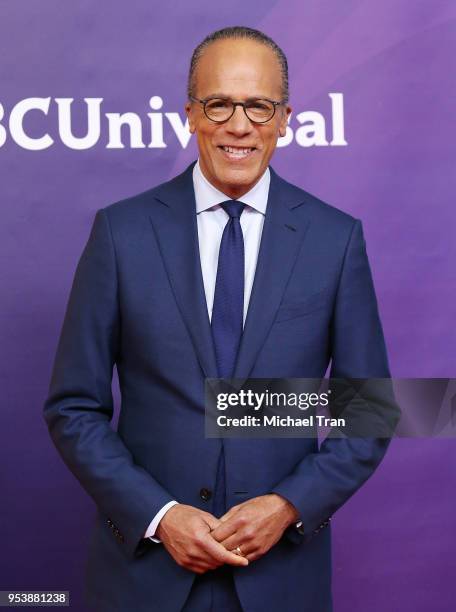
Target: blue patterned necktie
[
  {"x": 228, "y": 308},
  {"x": 227, "y": 316}
]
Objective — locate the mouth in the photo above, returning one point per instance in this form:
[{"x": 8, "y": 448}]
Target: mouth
[{"x": 236, "y": 153}]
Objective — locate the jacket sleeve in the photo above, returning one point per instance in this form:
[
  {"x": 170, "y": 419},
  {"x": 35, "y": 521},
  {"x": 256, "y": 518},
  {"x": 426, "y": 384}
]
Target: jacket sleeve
[
  {"x": 79, "y": 406},
  {"x": 322, "y": 482}
]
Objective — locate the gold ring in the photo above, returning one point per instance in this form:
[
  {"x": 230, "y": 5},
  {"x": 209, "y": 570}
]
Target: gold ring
[{"x": 238, "y": 551}]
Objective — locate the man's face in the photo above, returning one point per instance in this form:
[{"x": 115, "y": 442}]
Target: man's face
[{"x": 238, "y": 69}]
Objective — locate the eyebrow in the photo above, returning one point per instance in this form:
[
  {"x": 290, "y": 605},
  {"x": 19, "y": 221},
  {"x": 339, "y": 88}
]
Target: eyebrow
[{"x": 225, "y": 96}]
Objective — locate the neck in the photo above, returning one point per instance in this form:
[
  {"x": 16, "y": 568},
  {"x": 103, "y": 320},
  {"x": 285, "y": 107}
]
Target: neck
[{"x": 233, "y": 192}]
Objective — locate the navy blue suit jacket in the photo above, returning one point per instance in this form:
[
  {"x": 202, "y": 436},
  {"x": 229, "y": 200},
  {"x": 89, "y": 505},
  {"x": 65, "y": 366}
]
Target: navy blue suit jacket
[{"x": 138, "y": 302}]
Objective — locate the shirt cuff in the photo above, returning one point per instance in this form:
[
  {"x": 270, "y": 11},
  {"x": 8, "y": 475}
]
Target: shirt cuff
[{"x": 150, "y": 531}]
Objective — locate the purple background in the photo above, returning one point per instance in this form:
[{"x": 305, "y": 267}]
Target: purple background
[{"x": 394, "y": 62}]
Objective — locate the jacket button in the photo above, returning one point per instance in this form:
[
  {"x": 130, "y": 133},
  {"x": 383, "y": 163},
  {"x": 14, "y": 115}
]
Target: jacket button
[
  {"x": 205, "y": 494},
  {"x": 300, "y": 530}
]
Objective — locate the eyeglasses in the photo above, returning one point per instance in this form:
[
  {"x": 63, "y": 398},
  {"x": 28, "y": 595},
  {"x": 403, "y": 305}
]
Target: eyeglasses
[{"x": 220, "y": 110}]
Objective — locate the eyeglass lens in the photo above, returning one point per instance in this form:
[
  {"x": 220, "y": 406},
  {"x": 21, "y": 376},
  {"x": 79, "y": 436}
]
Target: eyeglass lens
[{"x": 219, "y": 109}]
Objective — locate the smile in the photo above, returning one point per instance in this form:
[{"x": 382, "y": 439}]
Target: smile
[{"x": 237, "y": 152}]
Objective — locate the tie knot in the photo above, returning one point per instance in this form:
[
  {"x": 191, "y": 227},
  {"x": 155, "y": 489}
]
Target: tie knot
[{"x": 233, "y": 208}]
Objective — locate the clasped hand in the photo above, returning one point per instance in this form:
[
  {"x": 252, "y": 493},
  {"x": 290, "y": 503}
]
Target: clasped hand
[{"x": 199, "y": 541}]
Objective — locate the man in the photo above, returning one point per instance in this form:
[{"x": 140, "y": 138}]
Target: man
[{"x": 225, "y": 271}]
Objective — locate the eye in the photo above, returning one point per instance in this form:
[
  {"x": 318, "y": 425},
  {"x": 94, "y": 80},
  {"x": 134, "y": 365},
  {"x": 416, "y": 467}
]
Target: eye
[
  {"x": 218, "y": 103},
  {"x": 259, "y": 105}
]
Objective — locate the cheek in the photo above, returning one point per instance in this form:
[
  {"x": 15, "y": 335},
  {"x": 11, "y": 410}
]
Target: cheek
[
  {"x": 204, "y": 141},
  {"x": 270, "y": 141}
]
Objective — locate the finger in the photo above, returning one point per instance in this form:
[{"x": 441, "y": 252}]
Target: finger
[
  {"x": 234, "y": 541},
  {"x": 253, "y": 556},
  {"x": 219, "y": 553},
  {"x": 230, "y": 513},
  {"x": 231, "y": 542},
  {"x": 211, "y": 521},
  {"x": 205, "y": 565},
  {"x": 224, "y": 531},
  {"x": 201, "y": 563}
]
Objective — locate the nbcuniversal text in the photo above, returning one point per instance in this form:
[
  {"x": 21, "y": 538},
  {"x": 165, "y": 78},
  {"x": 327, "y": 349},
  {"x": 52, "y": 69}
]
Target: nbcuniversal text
[{"x": 36, "y": 124}]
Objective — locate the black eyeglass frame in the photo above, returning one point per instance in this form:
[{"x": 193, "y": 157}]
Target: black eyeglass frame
[{"x": 206, "y": 100}]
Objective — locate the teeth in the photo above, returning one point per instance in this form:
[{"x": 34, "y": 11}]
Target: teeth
[{"x": 237, "y": 151}]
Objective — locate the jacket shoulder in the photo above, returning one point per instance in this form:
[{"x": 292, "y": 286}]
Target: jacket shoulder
[
  {"x": 317, "y": 209},
  {"x": 135, "y": 206}
]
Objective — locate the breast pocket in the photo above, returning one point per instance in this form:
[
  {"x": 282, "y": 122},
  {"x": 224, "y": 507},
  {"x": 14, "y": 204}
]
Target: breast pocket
[{"x": 312, "y": 303}]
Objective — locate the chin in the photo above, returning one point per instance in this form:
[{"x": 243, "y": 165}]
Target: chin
[{"x": 235, "y": 178}]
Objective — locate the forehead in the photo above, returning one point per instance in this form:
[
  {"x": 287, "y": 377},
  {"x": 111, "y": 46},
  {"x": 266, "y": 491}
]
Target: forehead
[{"x": 238, "y": 67}]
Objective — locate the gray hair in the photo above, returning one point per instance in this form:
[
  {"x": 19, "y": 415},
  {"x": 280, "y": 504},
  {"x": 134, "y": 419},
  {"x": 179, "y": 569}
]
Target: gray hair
[{"x": 238, "y": 32}]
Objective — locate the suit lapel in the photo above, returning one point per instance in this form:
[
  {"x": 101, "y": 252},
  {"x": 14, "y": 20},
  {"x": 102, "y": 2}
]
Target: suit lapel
[
  {"x": 174, "y": 222},
  {"x": 282, "y": 236}
]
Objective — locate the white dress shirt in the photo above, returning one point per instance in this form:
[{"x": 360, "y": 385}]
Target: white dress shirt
[{"x": 211, "y": 221}]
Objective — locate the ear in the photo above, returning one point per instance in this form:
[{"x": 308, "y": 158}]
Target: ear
[
  {"x": 190, "y": 116},
  {"x": 286, "y": 111}
]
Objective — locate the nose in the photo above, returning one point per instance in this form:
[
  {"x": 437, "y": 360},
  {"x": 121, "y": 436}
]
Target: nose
[{"x": 239, "y": 124}]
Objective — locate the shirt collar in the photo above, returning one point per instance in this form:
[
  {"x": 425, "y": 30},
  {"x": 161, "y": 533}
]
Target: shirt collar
[{"x": 207, "y": 196}]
